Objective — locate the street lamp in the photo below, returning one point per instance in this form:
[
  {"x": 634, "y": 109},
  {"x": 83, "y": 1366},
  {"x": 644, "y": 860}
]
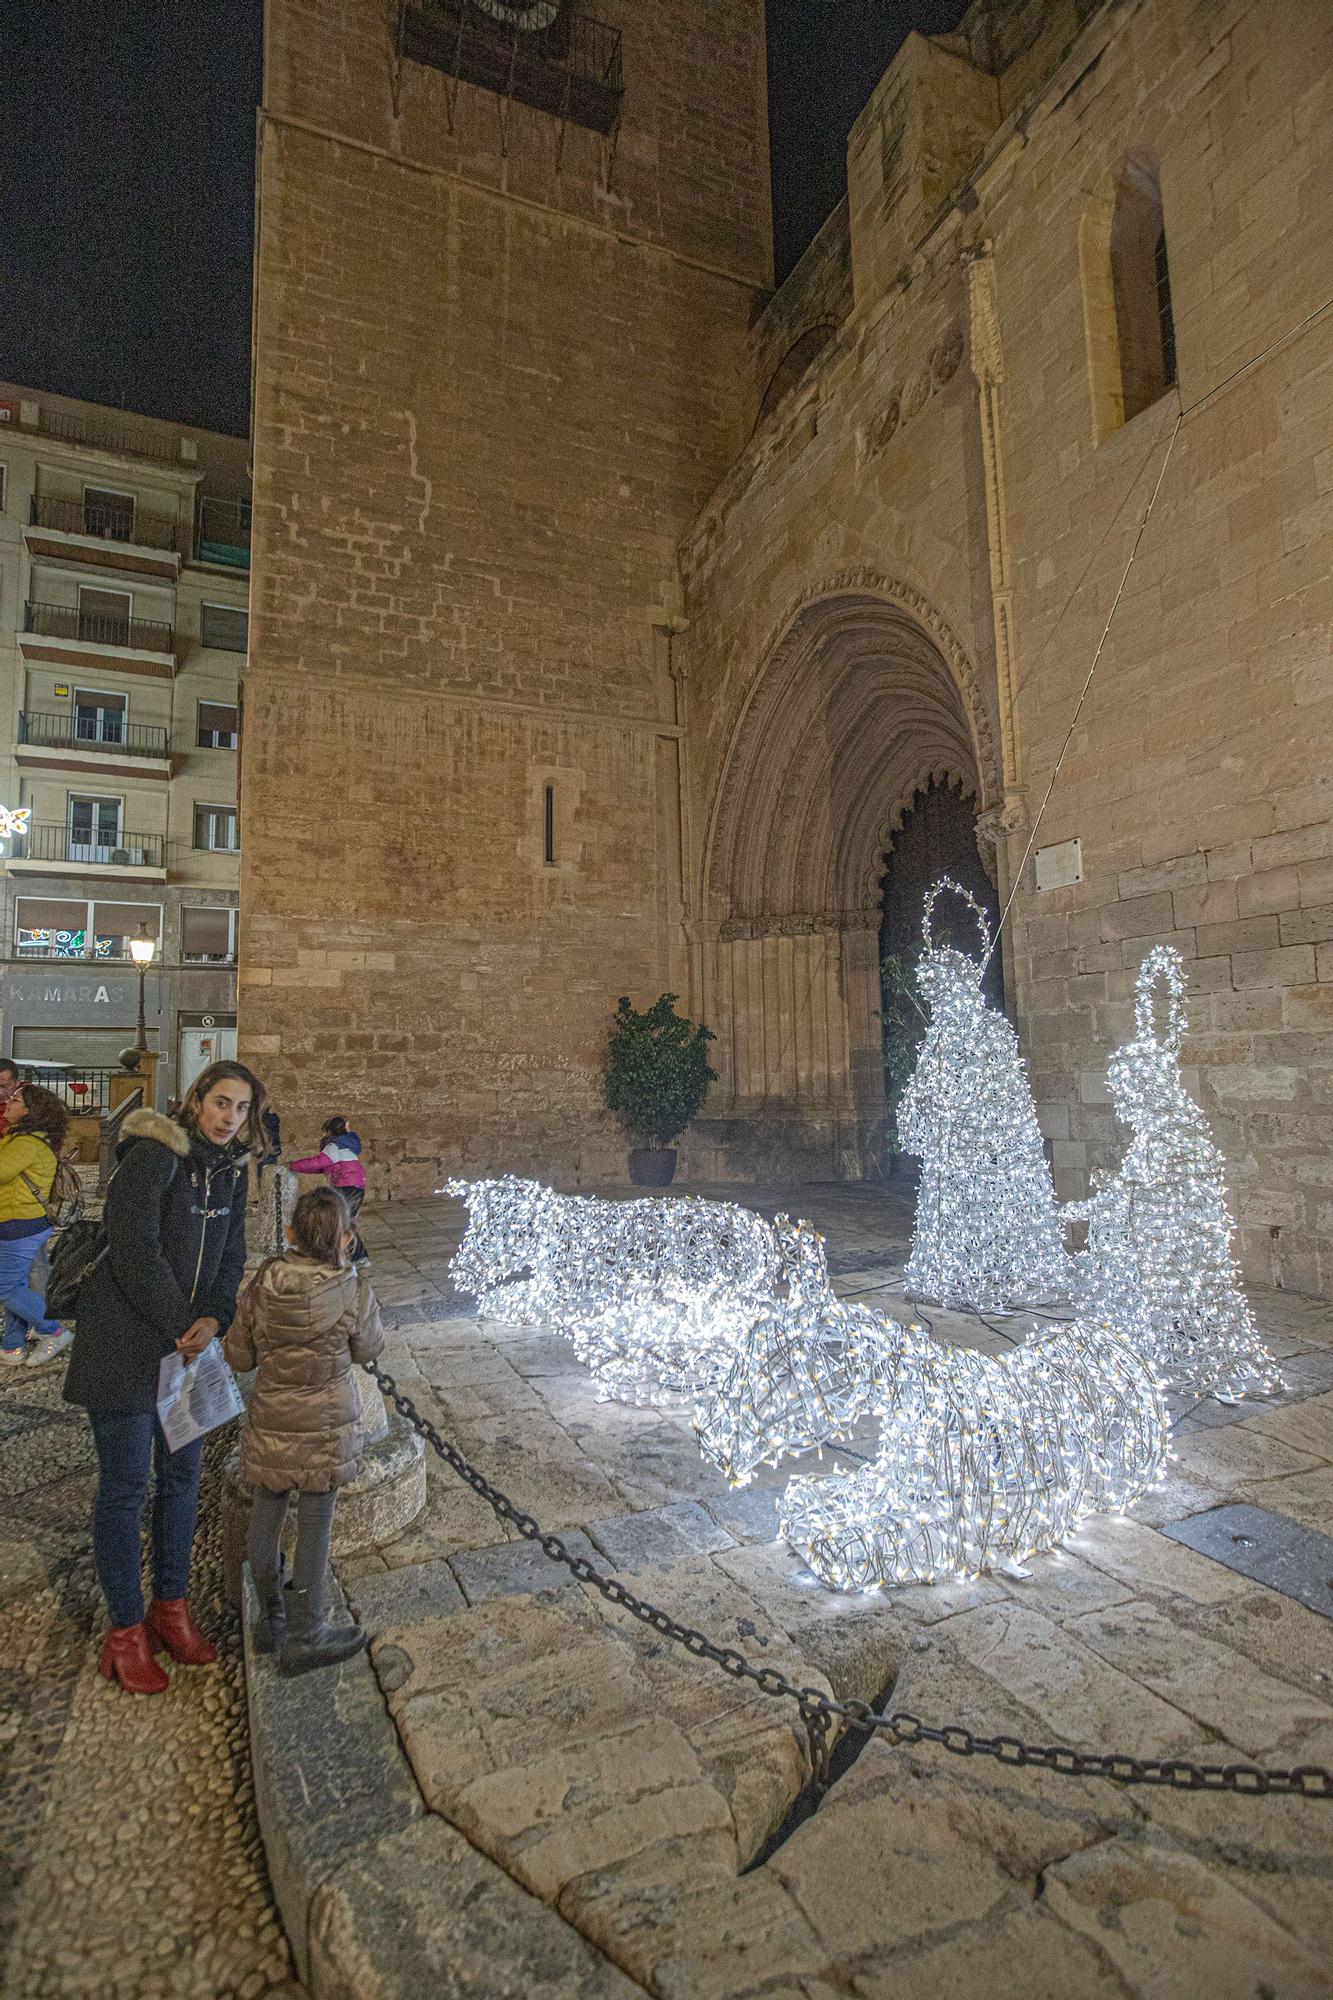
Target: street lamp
[{"x": 142, "y": 948}]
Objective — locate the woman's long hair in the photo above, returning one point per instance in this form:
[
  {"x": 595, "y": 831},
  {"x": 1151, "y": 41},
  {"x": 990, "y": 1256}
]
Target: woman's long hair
[
  {"x": 44, "y": 1116},
  {"x": 319, "y": 1224},
  {"x": 251, "y": 1137}
]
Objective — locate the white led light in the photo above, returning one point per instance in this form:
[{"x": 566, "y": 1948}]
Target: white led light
[
  {"x": 984, "y": 1461},
  {"x": 987, "y": 1234},
  {"x": 655, "y": 1294},
  {"x": 806, "y": 1371},
  {"x": 1159, "y": 1267}
]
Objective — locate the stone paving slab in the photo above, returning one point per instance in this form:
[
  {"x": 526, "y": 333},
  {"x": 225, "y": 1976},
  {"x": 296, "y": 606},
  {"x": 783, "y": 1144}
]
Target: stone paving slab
[
  {"x": 329, "y": 1776},
  {"x": 659, "y": 1536},
  {"x": 1269, "y": 1548},
  {"x": 404, "y": 1596},
  {"x": 423, "y": 1916},
  {"x": 516, "y": 1569},
  {"x": 1125, "y": 1639}
]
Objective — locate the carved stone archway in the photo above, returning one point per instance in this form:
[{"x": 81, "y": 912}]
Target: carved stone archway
[{"x": 865, "y": 696}]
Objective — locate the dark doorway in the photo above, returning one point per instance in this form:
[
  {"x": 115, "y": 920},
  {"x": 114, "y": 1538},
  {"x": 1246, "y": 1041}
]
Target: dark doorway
[{"x": 937, "y": 837}]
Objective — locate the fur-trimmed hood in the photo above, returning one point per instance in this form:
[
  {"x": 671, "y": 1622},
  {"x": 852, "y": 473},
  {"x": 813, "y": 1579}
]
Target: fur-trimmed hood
[
  {"x": 178, "y": 1139},
  {"x": 148, "y": 1124}
]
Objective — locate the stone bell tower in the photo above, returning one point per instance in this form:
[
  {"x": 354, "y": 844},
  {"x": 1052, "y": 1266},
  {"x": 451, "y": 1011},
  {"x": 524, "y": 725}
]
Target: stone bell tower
[{"x": 508, "y": 255}]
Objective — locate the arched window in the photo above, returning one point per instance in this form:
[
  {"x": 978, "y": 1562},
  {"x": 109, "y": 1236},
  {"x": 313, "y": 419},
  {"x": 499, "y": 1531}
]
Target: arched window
[{"x": 1127, "y": 296}]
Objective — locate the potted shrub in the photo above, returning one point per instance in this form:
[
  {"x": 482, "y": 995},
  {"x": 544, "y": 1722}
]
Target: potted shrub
[{"x": 657, "y": 1077}]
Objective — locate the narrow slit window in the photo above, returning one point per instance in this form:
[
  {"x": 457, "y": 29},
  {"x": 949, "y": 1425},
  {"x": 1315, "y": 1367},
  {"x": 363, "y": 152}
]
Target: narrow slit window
[
  {"x": 1166, "y": 323},
  {"x": 549, "y": 826}
]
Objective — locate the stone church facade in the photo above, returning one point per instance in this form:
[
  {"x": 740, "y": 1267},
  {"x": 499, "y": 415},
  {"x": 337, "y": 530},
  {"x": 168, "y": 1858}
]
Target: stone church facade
[{"x": 613, "y": 615}]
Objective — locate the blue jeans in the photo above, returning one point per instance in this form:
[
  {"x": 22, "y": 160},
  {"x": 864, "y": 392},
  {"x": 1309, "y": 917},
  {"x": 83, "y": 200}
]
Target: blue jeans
[
  {"x": 125, "y": 1446},
  {"x": 25, "y": 1310}
]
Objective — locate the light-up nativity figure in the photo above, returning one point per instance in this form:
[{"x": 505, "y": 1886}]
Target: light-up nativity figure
[
  {"x": 805, "y": 1372},
  {"x": 984, "y": 1460},
  {"x": 655, "y": 1294},
  {"x": 1158, "y": 1266},
  {"x": 987, "y": 1234}
]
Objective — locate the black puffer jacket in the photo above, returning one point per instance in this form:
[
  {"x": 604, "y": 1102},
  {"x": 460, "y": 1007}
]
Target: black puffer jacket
[{"x": 175, "y": 1218}]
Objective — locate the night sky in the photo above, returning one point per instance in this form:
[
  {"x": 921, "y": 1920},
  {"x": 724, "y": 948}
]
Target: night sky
[{"x": 127, "y": 182}]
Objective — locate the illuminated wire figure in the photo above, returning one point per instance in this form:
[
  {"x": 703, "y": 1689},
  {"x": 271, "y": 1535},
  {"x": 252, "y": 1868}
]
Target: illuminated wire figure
[
  {"x": 987, "y": 1233},
  {"x": 806, "y": 1370},
  {"x": 655, "y": 1294},
  {"x": 1159, "y": 1266},
  {"x": 984, "y": 1460}
]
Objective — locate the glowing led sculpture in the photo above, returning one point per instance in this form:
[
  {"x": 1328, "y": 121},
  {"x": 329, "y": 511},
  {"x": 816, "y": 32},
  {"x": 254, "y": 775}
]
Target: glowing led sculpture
[
  {"x": 654, "y": 1293},
  {"x": 1158, "y": 1266},
  {"x": 664, "y": 1341},
  {"x": 984, "y": 1460},
  {"x": 979, "y": 1460},
  {"x": 804, "y": 1373},
  {"x": 987, "y": 1234}
]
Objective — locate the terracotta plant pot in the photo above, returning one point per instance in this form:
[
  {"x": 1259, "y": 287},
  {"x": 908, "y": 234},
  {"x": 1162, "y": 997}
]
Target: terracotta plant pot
[{"x": 652, "y": 1166}]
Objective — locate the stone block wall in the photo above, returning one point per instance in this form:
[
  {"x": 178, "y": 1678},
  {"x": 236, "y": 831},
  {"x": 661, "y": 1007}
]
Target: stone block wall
[
  {"x": 489, "y": 397},
  {"x": 516, "y": 527},
  {"x": 1006, "y": 500},
  {"x": 1198, "y": 776}
]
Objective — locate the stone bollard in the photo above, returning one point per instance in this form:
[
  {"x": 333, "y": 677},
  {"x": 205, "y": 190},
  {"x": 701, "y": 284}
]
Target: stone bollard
[{"x": 380, "y": 1503}]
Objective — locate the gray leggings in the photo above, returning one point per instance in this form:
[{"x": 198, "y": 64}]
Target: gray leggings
[{"x": 314, "y": 1524}]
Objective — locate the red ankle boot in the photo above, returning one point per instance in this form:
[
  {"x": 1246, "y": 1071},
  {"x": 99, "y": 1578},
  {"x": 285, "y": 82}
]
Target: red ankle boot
[
  {"x": 172, "y": 1630},
  {"x": 127, "y": 1657}
]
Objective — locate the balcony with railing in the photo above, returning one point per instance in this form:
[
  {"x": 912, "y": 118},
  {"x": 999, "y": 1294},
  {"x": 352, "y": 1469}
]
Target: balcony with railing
[
  {"x": 222, "y": 532},
  {"x": 99, "y": 730},
  {"x": 545, "y": 53},
  {"x": 98, "y": 628},
  {"x": 105, "y": 520},
  {"x": 108, "y": 430},
  {"x": 45, "y": 844}
]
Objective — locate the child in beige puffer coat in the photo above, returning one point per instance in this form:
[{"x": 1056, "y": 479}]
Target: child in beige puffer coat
[{"x": 302, "y": 1322}]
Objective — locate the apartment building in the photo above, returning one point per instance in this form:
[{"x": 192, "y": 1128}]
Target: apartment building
[{"x": 124, "y": 593}]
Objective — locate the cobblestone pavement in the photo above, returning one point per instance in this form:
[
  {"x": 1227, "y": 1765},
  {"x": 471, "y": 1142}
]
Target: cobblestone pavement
[{"x": 131, "y": 1867}]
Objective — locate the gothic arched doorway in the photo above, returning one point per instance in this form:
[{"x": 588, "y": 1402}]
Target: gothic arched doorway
[
  {"x": 937, "y": 836},
  {"x": 866, "y": 698}
]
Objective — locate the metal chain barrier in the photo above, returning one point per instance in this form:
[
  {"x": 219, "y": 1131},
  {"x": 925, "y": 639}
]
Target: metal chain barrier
[{"x": 820, "y": 1712}]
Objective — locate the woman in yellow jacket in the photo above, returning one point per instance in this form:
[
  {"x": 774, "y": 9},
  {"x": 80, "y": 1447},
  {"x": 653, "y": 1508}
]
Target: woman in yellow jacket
[{"x": 34, "y": 1132}]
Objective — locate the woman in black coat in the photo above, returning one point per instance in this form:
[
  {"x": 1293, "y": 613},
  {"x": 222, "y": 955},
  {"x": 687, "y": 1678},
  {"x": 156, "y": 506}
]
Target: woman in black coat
[{"x": 166, "y": 1283}]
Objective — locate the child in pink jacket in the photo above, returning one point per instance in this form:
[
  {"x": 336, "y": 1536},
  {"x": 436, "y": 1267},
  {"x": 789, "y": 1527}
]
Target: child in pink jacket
[{"x": 339, "y": 1160}]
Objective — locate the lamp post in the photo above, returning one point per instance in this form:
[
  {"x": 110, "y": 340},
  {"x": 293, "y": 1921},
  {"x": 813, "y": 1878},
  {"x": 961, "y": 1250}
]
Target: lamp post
[{"x": 142, "y": 948}]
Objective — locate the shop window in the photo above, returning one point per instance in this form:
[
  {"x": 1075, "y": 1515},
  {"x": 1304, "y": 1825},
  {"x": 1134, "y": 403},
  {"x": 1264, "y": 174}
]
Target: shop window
[{"x": 46, "y": 928}]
